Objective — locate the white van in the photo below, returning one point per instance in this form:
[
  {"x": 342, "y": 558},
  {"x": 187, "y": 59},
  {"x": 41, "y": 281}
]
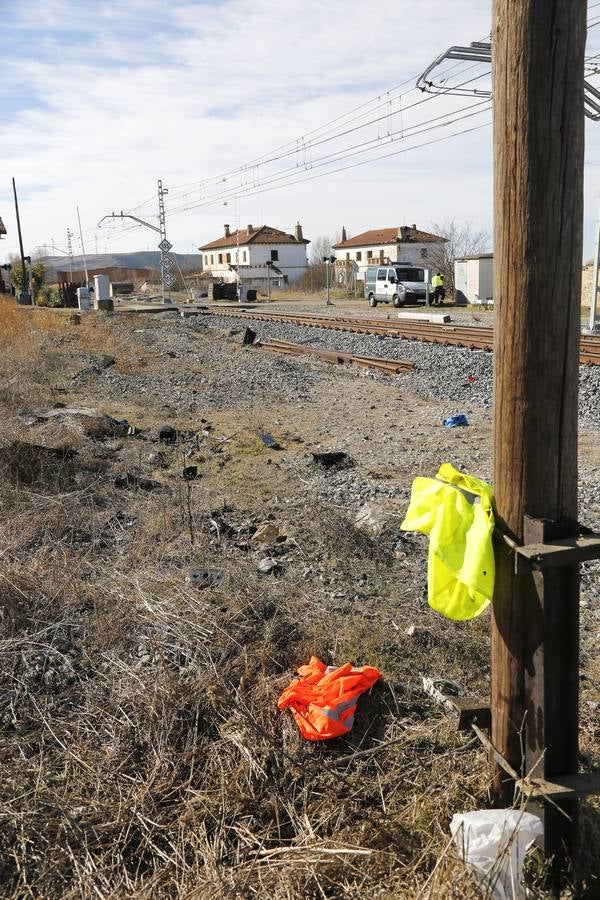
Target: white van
[{"x": 397, "y": 283}]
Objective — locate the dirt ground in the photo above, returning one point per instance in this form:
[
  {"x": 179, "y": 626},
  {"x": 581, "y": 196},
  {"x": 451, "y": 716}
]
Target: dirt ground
[{"x": 147, "y": 630}]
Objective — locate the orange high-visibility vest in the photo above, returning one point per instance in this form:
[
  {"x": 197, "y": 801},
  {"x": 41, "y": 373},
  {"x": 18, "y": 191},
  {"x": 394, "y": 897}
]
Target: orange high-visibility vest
[{"x": 323, "y": 699}]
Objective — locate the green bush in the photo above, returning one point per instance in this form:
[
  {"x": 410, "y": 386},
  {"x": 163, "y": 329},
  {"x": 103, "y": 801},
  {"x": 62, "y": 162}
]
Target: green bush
[{"x": 48, "y": 296}]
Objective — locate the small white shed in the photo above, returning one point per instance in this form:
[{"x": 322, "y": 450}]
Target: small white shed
[{"x": 474, "y": 279}]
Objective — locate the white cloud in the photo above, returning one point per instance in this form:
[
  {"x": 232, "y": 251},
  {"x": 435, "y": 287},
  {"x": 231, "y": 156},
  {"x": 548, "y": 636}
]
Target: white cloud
[{"x": 113, "y": 95}]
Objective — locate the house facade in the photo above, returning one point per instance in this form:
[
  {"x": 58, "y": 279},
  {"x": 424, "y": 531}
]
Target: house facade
[
  {"x": 389, "y": 245},
  {"x": 256, "y": 254}
]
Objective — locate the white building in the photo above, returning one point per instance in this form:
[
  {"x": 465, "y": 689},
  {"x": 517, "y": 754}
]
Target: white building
[
  {"x": 389, "y": 245},
  {"x": 474, "y": 279},
  {"x": 255, "y": 253}
]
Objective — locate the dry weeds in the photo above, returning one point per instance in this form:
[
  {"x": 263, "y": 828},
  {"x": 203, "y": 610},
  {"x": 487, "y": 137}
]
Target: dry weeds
[{"x": 142, "y": 754}]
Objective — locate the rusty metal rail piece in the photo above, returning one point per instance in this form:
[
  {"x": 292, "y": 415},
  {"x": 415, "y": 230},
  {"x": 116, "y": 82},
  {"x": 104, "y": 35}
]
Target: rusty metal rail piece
[{"x": 339, "y": 357}]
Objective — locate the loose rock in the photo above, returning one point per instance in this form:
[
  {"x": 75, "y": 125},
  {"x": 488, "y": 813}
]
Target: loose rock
[{"x": 265, "y": 535}]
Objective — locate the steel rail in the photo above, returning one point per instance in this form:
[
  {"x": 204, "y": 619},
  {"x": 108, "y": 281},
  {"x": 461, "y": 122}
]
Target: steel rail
[{"x": 469, "y": 336}]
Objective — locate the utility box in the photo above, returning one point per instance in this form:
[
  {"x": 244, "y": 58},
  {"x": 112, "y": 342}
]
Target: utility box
[
  {"x": 474, "y": 280},
  {"x": 242, "y": 292},
  {"x": 83, "y": 298},
  {"x": 102, "y": 298}
]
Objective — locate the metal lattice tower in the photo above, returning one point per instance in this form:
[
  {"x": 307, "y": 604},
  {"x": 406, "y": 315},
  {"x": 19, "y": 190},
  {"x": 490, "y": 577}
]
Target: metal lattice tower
[
  {"x": 70, "y": 251},
  {"x": 166, "y": 261}
]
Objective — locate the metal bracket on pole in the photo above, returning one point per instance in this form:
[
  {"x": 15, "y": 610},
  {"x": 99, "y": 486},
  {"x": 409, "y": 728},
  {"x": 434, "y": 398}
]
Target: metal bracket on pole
[
  {"x": 566, "y": 551},
  {"x": 565, "y": 787},
  {"x": 479, "y": 51}
]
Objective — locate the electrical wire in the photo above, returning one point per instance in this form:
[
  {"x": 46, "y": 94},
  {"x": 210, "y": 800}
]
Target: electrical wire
[
  {"x": 242, "y": 189},
  {"x": 301, "y": 143},
  {"x": 352, "y": 121},
  {"x": 268, "y": 187},
  {"x": 375, "y": 158},
  {"x": 288, "y": 177},
  {"x": 341, "y": 156}
]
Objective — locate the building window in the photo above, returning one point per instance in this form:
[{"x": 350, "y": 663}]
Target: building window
[
  {"x": 274, "y": 255},
  {"x": 347, "y": 256},
  {"x": 244, "y": 256},
  {"x": 228, "y": 257},
  {"x": 423, "y": 252},
  {"x": 381, "y": 257},
  {"x": 358, "y": 256},
  {"x": 369, "y": 254},
  {"x": 212, "y": 259}
]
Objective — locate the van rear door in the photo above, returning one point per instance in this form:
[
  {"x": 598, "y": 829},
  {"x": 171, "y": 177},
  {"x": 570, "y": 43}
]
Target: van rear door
[
  {"x": 370, "y": 281},
  {"x": 383, "y": 284}
]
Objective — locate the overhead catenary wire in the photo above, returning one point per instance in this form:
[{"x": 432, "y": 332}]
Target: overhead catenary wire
[
  {"x": 373, "y": 159},
  {"x": 250, "y": 177},
  {"x": 293, "y": 150},
  {"x": 292, "y": 147},
  {"x": 277, "y": 180},
  {"x": 340, "y": 156}
]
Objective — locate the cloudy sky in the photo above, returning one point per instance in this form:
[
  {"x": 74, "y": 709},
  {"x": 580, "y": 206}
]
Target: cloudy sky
[{"x": 264, "y": 112}]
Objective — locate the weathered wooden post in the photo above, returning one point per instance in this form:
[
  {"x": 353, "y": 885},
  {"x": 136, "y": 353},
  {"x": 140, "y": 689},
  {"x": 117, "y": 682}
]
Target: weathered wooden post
[{"x": 538, "y": 53}]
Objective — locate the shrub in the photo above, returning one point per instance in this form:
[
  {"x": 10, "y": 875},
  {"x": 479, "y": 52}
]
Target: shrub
[{"x": 48, "y": 296}]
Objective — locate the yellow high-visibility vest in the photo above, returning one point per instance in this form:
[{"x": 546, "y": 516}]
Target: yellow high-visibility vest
[
  {"x": 455, "y": 510},
  {"x": 437, "y": 281}
]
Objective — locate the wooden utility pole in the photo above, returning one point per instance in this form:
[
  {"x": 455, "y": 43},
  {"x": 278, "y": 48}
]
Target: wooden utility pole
[
  {"x": 538, "y": 52},
  {"x": 24, "y": 273}
]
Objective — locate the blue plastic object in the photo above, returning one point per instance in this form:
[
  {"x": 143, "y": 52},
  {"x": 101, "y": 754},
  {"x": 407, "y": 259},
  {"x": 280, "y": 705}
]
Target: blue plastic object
[{"x": 456, "y": 421}]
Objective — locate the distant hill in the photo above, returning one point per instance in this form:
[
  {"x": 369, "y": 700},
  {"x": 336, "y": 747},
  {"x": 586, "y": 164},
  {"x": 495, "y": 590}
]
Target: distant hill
[{"x": 139, "y": 259}]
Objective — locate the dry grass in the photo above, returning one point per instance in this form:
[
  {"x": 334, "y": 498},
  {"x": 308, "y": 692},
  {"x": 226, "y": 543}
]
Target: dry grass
[
  {"x": 142, "y": 754},
  {"x": 175, "y": 777}
]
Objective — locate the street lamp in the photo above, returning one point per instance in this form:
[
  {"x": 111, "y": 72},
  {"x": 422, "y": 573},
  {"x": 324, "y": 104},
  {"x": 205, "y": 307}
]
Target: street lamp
[
  {"x": 328, "y": 260},
  {"x": 269, "y": 264}
]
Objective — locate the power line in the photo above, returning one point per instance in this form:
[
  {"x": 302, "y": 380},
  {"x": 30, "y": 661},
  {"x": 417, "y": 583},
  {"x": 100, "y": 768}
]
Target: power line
[
  {"x": 315, "y": 143},
  {"x": 340, "y": 156},
  {"x": 302, "y": 144},
  {"x": 371, "y": 159}
]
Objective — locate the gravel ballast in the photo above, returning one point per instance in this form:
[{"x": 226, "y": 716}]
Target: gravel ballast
[{"x": 454, "y": 374}]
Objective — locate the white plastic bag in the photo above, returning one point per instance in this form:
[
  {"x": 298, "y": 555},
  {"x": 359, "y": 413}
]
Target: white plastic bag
[{"x": 493, "y": 844}]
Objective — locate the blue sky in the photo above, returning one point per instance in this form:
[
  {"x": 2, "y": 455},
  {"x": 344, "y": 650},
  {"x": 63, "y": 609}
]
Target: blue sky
[{"x": 99, "y": 100}]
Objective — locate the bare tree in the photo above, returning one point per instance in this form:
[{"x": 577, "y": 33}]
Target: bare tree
[
  {"x": 320, "y": 247},
  {"x": 461, "y": 240}
]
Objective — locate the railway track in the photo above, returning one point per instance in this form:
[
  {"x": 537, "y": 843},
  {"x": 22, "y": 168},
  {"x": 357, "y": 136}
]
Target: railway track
[{"x": 471, "y": 336}]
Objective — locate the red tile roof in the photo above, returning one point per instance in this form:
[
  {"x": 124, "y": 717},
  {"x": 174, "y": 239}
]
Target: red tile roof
[
  {"x": 378, "y": 236},
  {"x": 262, "y": 234}
]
